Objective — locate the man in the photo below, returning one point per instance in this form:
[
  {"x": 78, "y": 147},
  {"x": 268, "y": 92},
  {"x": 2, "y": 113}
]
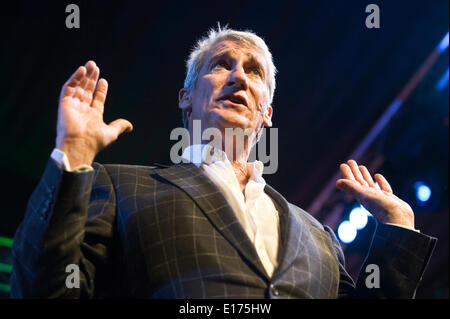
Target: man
[{"x": 210, "y": 228}]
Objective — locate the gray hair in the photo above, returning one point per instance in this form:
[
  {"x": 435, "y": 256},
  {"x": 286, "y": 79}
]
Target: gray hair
[{"x": 203, "y": 45}]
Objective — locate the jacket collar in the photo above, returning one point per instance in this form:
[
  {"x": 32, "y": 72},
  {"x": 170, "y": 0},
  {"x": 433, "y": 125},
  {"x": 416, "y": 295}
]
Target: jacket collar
[
  {"x": 293, "y": 233},
  {"x": 191, "y": 179},
  {"x": 213, "y": 204}
]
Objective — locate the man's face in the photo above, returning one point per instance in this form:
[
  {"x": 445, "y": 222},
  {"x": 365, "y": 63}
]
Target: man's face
[{"x": 231, "y": 90}]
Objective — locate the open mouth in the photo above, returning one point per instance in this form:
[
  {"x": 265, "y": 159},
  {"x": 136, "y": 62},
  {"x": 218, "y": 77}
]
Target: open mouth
[{"x": 236, "y": 99}]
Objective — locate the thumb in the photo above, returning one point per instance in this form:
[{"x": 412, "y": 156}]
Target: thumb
[{"x": 117, "y": 127}]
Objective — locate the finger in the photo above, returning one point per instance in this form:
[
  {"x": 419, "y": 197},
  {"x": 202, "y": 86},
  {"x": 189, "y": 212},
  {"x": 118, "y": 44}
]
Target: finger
[
  {"x": 384, "y": 185},
  {"x": 90, "y": 88},
  {"x": 118, "y": 127},
  {"x": 366, "y": 175},
  {"x": 78, "y": 92},
  {"x": 377, "y": 186},
  {"x": 356, "y": 172},
  {"x": 100, "y": 95},
  {"x": 79, "y": 88},
  {"x": 347, "y": 172},
  {"x": 72, "y": 82},
  {"x": 121, "y": 125},
  {"x": 90, "y": 68}
]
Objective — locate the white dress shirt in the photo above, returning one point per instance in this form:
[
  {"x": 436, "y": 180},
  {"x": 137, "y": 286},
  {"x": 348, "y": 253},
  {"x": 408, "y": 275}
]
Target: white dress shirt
[{"x": 255, "y": 210}]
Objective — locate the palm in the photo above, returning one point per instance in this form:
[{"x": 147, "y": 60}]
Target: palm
[
  {"x": 80, "y": 119},
  {"x": 377, "y": 199},
  {"x": 81, "y": 110}
]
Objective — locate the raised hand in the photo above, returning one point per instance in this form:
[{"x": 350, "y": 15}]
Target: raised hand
[
  {"x": 379, "y": 199},
  {"x": 81, "y": 131}
]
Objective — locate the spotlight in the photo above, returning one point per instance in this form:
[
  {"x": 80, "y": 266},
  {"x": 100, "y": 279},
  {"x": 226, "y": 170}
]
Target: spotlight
[
  {"x": 443, "y": 45},
  {"x": 423, "y": 192},
  {"x": 366, "y": 211},
  {"x": 346, "y": 232},
  {"x": 358, "y": 217},
  {"x": 443, "y": 81}
]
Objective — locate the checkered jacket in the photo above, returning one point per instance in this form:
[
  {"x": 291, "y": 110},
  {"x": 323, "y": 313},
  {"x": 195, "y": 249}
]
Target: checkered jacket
[{"x": 148, "y": 232}]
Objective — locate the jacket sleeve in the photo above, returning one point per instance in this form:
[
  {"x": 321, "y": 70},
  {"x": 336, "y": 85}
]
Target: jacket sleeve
[
  {"x": 69, "y": 222},
  {"x": 394, "y": 265}
]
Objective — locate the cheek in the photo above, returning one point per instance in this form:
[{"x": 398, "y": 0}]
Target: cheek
[
  {"x": 209, "y": 88},
  {"x": 200, "y": 95},
  {"x": 261, "y": 98}
]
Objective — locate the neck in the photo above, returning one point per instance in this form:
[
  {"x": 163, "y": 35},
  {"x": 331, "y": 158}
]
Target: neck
[
  {"x": 237, "y": 151},
  {"x": 237, "y": 154},
  {"x": 242, "y": 172}
]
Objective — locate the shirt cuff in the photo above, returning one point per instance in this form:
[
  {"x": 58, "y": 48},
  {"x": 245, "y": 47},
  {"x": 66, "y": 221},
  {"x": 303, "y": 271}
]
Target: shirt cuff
[{"x": 63, "y": 162}]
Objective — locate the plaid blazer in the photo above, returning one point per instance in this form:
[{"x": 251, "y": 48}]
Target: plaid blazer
[{"x": 148, "y": 232}]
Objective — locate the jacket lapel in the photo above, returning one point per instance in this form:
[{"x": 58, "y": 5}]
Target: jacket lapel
[
  {"x": 214, "y": 205},
  {"x": 292, "y": 233}
]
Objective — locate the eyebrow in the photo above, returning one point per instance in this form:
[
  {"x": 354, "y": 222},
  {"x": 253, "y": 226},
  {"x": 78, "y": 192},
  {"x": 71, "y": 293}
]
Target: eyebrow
[{"x": 252, "y": 59}]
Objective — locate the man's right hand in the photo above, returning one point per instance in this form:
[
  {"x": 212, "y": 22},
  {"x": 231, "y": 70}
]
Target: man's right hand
[{"x": 81, "y": 131}]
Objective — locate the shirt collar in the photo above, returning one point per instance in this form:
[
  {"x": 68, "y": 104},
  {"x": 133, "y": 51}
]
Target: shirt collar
[
  {"x": 207, "y": 154},
  {"x": 203, "y": 154}
]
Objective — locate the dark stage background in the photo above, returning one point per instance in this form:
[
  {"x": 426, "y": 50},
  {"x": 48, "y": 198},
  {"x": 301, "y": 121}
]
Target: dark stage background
[{"x": 336, "y": 78}]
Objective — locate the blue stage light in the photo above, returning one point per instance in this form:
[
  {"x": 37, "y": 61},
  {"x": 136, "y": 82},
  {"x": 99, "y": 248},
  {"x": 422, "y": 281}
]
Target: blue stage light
[
  {"x": 358, "y": 217},
  {"x": 346, "y": 232},
  {"x": 443, "y": 81},
  {"x": 366, "y": 211},
  {"x": 443, "y": 45},
  {"x": 423, "y": 192}
]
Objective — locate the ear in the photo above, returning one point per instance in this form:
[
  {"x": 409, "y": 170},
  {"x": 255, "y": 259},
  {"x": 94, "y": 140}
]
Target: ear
[
  {"x": 267, "y": 116},
  {"x": 184, "y": 100}
]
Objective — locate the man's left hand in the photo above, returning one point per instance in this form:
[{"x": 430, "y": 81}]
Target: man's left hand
[{"x": 379, "y": 199}]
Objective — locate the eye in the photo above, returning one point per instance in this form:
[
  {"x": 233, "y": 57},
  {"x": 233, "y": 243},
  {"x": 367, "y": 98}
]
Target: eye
[
  {"x": 256, "y": 70},
  {"x": 221, "y": 64}
]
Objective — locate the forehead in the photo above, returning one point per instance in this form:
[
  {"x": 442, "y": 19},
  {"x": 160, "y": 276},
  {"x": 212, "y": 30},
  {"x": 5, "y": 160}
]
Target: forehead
[{"x": 235, "y": 48}]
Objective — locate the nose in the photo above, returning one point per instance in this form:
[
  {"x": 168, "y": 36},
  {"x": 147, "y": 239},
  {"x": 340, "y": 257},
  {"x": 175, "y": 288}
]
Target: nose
[{"x": 238, "y": 78}]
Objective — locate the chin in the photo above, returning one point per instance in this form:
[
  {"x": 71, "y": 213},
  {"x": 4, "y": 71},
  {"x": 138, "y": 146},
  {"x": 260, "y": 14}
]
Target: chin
[{"x": 230, "y": 119}]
